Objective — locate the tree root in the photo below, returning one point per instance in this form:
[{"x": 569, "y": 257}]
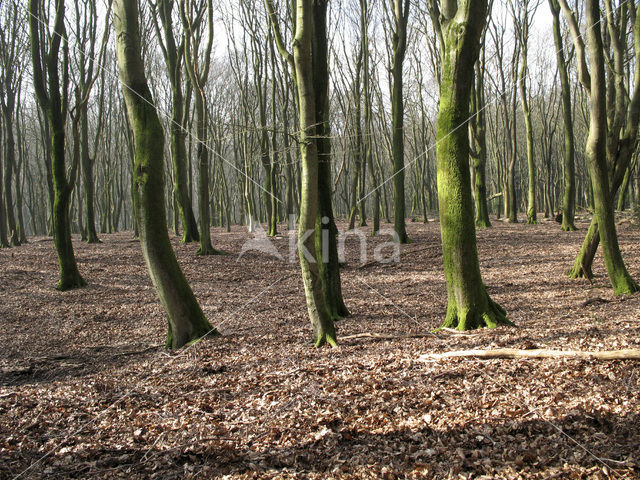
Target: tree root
[{"x": 491, "y": 317}]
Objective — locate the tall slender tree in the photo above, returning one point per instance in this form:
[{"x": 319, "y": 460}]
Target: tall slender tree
[
  {"x": 86, "y": 25},
  {"x": 569, "y": 195},
  {"x": 197, "y": 63},
  {"x": 12, "y": 67},
  {"x": 399, "y": 49},
  {"x": 326, "y": 229},
  {"x": 523, "y": 11},
  {"x": 307, "y": 22},
  {"x": 173, "y": 53},
  {"x": 478, "y": 133},
  {"x": 54, "y": 101}
]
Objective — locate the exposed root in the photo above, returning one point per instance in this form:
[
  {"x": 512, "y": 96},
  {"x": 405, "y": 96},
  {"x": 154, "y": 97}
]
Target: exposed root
[{"x": 493, "y": 317}]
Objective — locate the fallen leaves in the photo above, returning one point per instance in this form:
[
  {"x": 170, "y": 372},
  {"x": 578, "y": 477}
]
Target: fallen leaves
[{"x": 83, "y": 379}]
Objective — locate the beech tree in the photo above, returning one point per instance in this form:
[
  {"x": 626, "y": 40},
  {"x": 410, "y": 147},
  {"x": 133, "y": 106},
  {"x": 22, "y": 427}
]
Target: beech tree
[
  {"x": 400, "y": 14},
  {"x": 613, "y": 130},
  {"x": 523, "y": 11},
  {"x": 173, "y": 53},
  {"x": 459, "y": 26},
  {"x": 186, "y": 319},
  {"x": 309, "y": 64},
  {"x": 12, "y": 68},
  {"x": 197, "y": 63},
  {"x": 52, "y": 93},
  {"x": 86, "y": 22},
  {"x": 569, "y": 196},
  {"x": 478, "y": 142}
]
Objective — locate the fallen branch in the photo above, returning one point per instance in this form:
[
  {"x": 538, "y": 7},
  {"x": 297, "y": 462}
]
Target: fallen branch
[
  {"x": 386, "y": 337},
  {"x": 513, "y": 353},
  {"x": 466, "y": 333}
]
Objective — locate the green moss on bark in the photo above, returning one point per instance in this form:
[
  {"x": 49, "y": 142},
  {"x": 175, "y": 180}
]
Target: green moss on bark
[{"x": 469, "y": 304}]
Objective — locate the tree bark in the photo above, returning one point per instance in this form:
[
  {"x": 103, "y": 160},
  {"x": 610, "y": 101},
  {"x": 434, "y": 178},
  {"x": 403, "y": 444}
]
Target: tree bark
[
  {"x": 469, "y": 305},
  {"x": 326, "y": 230},
  {"x": 173, "y": 58},
  {"x": 321, "y": 321},
  {"x": 569, "y": 196},
  {"x": 186, "y": 319},
  {"x": 399, "y": 45},
  {"x": 596, "y": 151},
  {"x": 53, "y": 99}
]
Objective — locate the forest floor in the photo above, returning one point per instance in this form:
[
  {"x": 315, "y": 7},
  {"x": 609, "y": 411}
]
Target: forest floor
[{"x": 87, "y": 389}]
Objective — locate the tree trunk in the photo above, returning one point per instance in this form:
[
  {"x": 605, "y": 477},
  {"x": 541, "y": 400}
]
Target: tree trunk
[
  {"x": 569, "y": 196},
  {"x": 596, "y": 152},
  {"x": 321, "y": 321},
  {"x": 401, "y": 15},
  {"x": 469, "y": 304},
  {"x": 54, "y": 104},
  {"x": 4, "y": 239},
  {"x": 478, "y": 128},
  {"x": 326, "y": 230},
  {"x": 87, "y": 180},
  {"x": 9, "y": 166},
  {"x": 173, "y": 59},
  {"x": 186, "y": 319}
]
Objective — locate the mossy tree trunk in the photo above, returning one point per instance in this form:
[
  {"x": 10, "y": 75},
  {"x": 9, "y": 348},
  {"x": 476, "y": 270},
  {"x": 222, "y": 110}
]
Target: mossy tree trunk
[
  {"x": 186, "y": 319},
  {"x": 310, "y": 71},
  {"x": 624, "y": 189},
  {"x": 612, "y": 135},
  {"x": 469, "y": 304},
  {"x": 326, "y": 230},
  {"x": 54, "y": 101},
  {"x": 569, "y": 195},
  {"x": 582, "y": 265},
  {"x": 596, "y": 152}
]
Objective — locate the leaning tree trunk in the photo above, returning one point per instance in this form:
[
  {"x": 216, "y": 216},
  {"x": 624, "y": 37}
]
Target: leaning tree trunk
[
  {"x": 186, "y": 319},
  {"x": 596, "y": 152},
  {"x": 469, "y": 304}
]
